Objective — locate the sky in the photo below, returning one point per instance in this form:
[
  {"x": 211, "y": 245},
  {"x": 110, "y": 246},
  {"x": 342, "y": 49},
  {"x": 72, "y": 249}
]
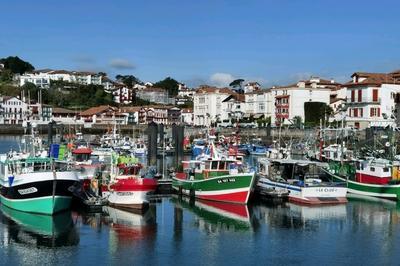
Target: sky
[{"x": 205, "y": 42}]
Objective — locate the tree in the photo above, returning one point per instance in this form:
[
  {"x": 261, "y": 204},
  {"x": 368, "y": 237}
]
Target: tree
[
  {"x": 6, "y": 76},
  {"x": 16, "y": 65},
  {"x": 237, "y": 85},
  {"x": 9, "y": 90},
  {"x": 297, "y": 121},
  {"x": 169, "y": 84},
  {"x": 128, "y": 80}
]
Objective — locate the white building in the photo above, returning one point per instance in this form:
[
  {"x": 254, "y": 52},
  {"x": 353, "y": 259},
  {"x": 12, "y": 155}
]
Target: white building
[
  {"x": 13, "y": 110},
  {"x": 289, "y": 100},
  {"x": 233, "y": 108},
  {"x": 252, "y": 87},
  {"x": 258, "y": 103},
  {"x": 155, "y": 95},
  {"x": 207, "y": 104},
  {"x": 42, "y": 78},
  {"x": 371, "y": 99},
  {"x": 187, "y": 116}
]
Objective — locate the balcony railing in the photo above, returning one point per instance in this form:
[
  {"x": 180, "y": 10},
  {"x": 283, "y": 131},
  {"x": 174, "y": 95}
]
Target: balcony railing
[{"x": 365, "y": 101}]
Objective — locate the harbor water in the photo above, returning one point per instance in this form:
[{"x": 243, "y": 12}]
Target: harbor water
[{"x": 176, "y": 231}]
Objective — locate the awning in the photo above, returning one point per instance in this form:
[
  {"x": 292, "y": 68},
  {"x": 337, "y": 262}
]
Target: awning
[{"x": 246, "y": 115}]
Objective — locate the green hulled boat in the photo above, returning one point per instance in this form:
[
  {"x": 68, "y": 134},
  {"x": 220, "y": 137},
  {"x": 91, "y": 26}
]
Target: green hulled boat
[
  {"x": 369, "y": 177},
  {"x": 215, "y": 179}
]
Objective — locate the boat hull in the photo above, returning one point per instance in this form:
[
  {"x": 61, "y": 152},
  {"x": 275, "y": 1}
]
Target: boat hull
[
  {"x": 225, "y": 188},
  {"x": 386, "y": 191},
  {"x": 39, "y": 192},
  {"x": 307, "y": 195},
  {"x": 130, "y": 193}
]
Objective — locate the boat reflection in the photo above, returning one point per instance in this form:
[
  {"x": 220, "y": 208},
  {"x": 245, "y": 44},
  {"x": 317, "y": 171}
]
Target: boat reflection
[
  {"x": 290, "y": 215},
  {"x": 38, "y": 230},
  {"x": 127, "y": 227},
  {"x": 214, "y": 216}
]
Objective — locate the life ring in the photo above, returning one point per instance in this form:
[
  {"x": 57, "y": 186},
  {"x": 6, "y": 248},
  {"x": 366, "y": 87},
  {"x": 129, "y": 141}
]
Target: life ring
[{"x": 109, "y": 187}]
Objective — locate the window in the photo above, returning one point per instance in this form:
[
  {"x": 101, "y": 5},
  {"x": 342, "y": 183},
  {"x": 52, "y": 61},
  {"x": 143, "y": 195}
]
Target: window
[
  {"x": 385, "y": 169},
  {"x": 375, "y": 95},
  {"x": 361, "y": 112},
  {"x": 375, "y": 112},
  {"x": 353, "y": 95},
  {"x": 359, "y": 95},
  {"x": 355, "y": 112},
  {"x": 214, "y": 165},
  {"x": 372, "y": 169}
]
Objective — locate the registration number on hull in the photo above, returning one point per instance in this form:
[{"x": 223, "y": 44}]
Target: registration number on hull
[{"x": 27, "y": 190}]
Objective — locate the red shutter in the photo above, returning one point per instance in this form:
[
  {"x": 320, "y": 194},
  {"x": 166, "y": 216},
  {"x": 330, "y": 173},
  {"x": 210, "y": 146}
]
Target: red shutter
[
  {"x": 353, "y": 95},
  {"x": 349, "y": 112},
  {"x": 371, "y": 112},
  {"x": 379, "y": 111},
  {"x": 355, "y": 112},
  {"x": 374, "y": 95},
  {"x": 359, "y": 95},
  {"x": 361, "y": 112}
]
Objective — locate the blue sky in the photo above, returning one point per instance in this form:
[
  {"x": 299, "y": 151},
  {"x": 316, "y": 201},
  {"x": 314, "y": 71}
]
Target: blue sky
[{"x": 197, "y": 42}]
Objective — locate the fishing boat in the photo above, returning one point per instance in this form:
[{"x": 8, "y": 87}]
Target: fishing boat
[
  {"x": 369, "y": 177},
  {"x": 36, "y": 184},
  {"x": 127, "y": 188},
  {"x": 215, "y": 178},
  {"x": 301, "y": 179}
]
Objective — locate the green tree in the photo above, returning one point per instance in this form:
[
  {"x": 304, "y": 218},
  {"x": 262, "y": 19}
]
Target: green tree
[
  {"x": 9, "y": 90},
  {"x": 237, "y": 84},
  {"x": 16, "y": 65},
  {"x": 169, "y": 84},
  {"x": 128, "y": 80},
  {"x": 6, "y": 76}
]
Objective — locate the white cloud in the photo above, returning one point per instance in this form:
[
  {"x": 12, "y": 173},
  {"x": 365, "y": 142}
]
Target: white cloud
[
  {"x": 121, "y": 64},
  {"x": 221, "y": 79}
]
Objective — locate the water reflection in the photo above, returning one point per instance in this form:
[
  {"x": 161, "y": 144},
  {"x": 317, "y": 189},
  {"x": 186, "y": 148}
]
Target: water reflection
[
  {"x": 128, "y": 227},
  {"x": 215, "y": 216},
  {"x": 290, "y": 215},
  {"x": 38, "y": 230}
]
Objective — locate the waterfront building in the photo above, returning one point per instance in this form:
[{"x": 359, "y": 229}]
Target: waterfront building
[
  {"x": 166, "y": 115},
  {"x": 371, "y": 99},
  {"x": 103, "y": 114},
  {"x": 64, "y": 116},
  {"x": 13, "y": 110},
  {"x": 289, "y": 100},
  {"x": 207, "y": 104},
  {"x": 131, "y": 114},
  {"x": 187, "y": 117},
  {"x": 258, "y": 104},
  {"x": 233, "y": 108}
]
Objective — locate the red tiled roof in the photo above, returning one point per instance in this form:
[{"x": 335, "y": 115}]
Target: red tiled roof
[{"x": 98, "y": 110}]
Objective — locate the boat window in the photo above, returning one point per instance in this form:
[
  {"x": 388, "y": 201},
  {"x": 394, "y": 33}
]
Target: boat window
[
  {"x": 358, "y": 166},
  {"x": 335, "y": 155},
  {"x": 207, "y": 165},
  {"x": 385, "y": 169},
  {"x": 214, "y": 165},
  {"x": 372, "y": 169},
  {"x": 221, "y": 165}
]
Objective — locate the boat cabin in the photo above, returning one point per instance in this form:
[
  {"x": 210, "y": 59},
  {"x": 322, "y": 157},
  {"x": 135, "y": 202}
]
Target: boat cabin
[
  {"x": 294, "y": 172},
  {"x": 337, "y": 153},
  {"x": 82, "y": 154},
  {"x": 203, "y": 169},
  {"x": 373, "y": 171}
]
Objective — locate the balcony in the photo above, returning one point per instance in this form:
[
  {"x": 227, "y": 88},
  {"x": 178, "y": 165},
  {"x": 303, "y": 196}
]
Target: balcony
[{"x": 365, "y": 101}]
